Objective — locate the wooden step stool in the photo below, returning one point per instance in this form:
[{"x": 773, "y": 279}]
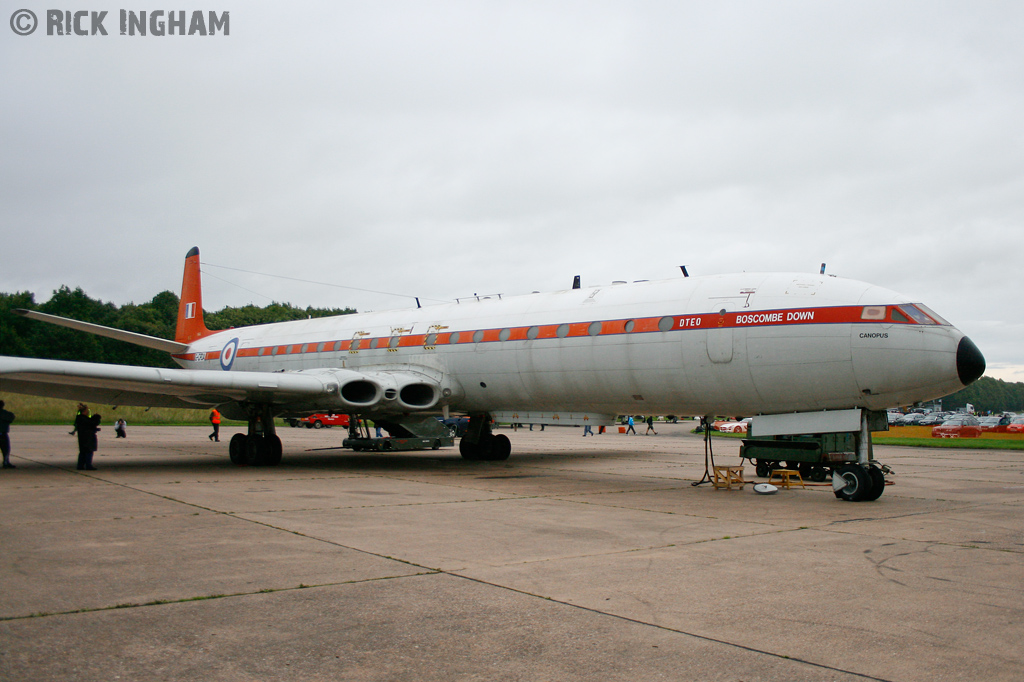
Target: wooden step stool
[
  {"x": 784, "y": 477},
  {"x": 726, "y": 477}
]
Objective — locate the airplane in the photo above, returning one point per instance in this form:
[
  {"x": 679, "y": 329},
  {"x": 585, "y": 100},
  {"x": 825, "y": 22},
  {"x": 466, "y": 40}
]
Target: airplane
[{"x": 804, "y": 352}]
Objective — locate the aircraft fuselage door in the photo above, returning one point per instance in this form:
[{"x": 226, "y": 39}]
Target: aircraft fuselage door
[{"x": 720, "y": 341}]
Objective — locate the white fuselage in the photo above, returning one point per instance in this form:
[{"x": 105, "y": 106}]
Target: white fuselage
[{"x": 730, "y": 344}]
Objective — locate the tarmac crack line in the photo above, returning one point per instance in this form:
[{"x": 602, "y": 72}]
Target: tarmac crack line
[
  {"x": 666, "y": 628},
  {"x": 229, "y": 595}
]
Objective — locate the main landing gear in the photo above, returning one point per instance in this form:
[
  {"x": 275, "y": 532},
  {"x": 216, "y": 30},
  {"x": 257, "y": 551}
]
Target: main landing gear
[
  {"x": 261, "y": 446},
  {"x": 479, "y": 443}
]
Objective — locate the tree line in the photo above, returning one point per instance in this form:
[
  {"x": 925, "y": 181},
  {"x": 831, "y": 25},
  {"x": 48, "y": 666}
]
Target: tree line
[
  {"x": 988, "y": 395},
  {"x": 22, "y": 337}
]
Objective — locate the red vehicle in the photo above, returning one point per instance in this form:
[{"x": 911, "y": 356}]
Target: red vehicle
[
  {"x": 1016, "y": 425},
  {"x": 964, "y": 426},
  {"x": 319, "y": 421}
]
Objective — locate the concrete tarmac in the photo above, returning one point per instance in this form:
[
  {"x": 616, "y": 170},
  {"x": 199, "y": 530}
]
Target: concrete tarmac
[{"x": 576, "y": 559}]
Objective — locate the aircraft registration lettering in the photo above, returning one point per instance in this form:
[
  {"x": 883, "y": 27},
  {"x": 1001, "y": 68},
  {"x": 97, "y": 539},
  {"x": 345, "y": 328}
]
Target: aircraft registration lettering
[{"x": 685, "y": 322}]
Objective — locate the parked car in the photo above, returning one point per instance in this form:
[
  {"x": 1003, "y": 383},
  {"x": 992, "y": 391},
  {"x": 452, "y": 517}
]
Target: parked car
[
  {"x": 963, "y": 426},
  {"x": 910, "y": 419},
  {"x": 1016, "y": 425},
  {"x": 456, "y": 425},
  {"x": 934, "y": 419},
  {"x": 741, "y": 426},
  {"x": 994, "y": 424},
  {"x": 893, "y": 416},
  {"x": 319, "y": 421}
]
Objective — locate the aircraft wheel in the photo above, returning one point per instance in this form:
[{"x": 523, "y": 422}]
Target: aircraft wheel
[
  {"x": 255, "y": 451},
  {"x": 236, "y": 448},
  {"x": 764, "y": 468},
  {"x": 501, "y": 448},
  {"x": 470, "y": 451},
  {"x": 851, "y": 482},
  {"x": 877, "y": 484},
  {"x": 275, "y": 451}
]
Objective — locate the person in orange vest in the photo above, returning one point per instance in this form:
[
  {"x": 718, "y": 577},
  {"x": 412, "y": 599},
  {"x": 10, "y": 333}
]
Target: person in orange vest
[{"x": 215, "y": 420}]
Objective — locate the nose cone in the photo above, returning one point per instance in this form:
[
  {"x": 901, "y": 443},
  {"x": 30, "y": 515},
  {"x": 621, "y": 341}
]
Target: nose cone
[{"x": 970, "y": 363}]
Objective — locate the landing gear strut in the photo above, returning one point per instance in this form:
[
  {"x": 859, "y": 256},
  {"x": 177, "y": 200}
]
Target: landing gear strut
[
  {"x": 261, "y": 446},
  {"x": 479, "y": 443}
]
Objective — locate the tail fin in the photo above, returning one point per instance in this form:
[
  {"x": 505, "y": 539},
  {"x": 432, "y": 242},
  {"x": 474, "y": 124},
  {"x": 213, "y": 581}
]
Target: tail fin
[{"x": 190, "y": 310}]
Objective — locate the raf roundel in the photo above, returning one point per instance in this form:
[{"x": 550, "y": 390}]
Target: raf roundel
[{"x": 227, "y": 356}]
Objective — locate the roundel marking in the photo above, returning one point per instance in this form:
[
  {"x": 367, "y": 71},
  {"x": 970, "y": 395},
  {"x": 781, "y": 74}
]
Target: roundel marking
[{"x": 227, "y": 356}]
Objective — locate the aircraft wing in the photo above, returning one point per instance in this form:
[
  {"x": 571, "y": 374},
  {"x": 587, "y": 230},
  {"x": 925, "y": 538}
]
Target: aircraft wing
[{"x": 151, "y": 386}]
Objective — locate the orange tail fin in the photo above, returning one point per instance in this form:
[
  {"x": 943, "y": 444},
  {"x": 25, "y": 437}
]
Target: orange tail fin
[{"x": 190, "y": 310}]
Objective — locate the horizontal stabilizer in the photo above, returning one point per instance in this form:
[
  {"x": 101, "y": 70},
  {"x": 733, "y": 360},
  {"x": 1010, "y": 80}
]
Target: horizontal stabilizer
[{"x": 99, "y": 330}]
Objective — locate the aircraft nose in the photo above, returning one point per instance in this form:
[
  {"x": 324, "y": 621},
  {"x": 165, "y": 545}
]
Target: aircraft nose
[{"x": 970, "y": 363}]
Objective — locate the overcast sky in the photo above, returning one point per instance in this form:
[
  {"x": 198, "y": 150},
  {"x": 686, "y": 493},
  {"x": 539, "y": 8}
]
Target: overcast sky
[{"x": 441, "y": 149}]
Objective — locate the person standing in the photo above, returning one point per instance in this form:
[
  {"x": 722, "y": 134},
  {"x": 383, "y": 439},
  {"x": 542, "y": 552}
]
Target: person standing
[
  {"x": 587, "y": 430},
  {"x": 5, "y": 439},
  {"x": 650, "y": 426},
  {"x": 630, "y": 429},
  {"x": 215, "y": 421},
  {"x": 121, "y": 428},
  {"x": 86, "y": 426}
]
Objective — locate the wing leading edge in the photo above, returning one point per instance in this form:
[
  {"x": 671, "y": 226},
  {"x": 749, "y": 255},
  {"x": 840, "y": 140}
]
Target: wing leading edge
[{"x": 156, "y": 387}]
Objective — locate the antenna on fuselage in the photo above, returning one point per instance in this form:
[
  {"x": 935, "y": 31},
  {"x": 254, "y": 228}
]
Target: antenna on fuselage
[
  {"x": 576, "y": 282},
  {"x": 685, "y": 273},
  {"x": 822, "y": 269}
]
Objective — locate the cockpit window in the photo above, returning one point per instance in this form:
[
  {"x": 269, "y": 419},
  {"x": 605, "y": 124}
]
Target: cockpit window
[
  {"x": 932, "y": 314},
  {"x": 915, "y": 314},
  {"x": 873, "y": 312},
  {"x": 897, "y": 316}
]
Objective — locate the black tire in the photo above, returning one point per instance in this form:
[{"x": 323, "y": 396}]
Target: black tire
[
  {"x": 877, "y": 484},
  {"x": 501, "y": 448},
  {"x": 471, "y": 451},
  {"x": 856, "y": 482},
  {"x": 255, "y": 451},
  {"x": 436, "y": 445},
  {"x": 275, "y": 450},
  {"x": 308, "y": 425},
  {"x": 763, "y": 468},
  {"x": 236, "y": 448},
  {"x": 818, "y": 474},
  {"x": 318, "y": 424}
]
